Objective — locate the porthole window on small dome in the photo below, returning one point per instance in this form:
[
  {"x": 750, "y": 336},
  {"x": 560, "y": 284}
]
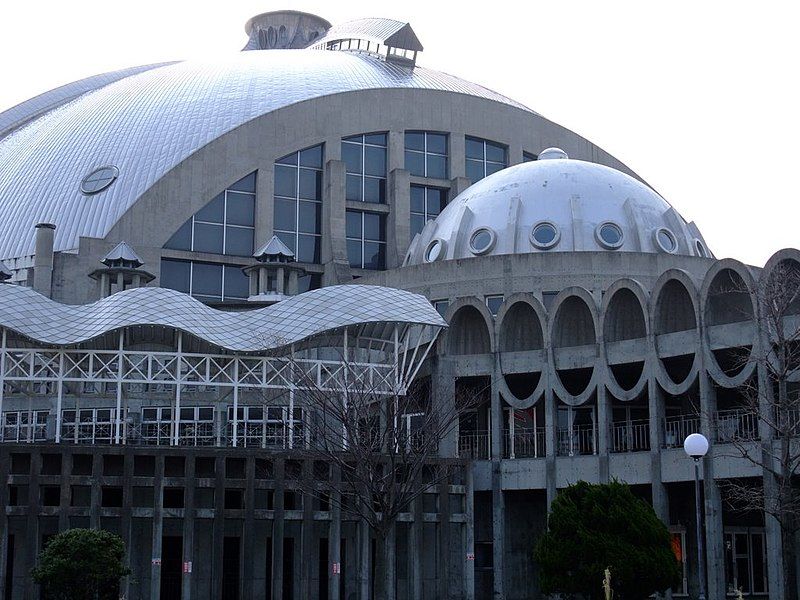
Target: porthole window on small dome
[
  {"x": 434, "y": 251},
  {"x": 701, "y": 249},
  {"x": 665, "y": 240},
  {"x": 545, "y": 235},
  {"x": 99, "y": 179},
  {"x": 482, "y": 240},
  {"x": 609, "y": 235}
]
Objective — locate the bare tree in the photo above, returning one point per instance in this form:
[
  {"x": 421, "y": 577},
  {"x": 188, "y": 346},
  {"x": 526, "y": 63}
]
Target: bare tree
[
  {"x": 771, "y": 410},
  {"x": 375, "y": 451}
]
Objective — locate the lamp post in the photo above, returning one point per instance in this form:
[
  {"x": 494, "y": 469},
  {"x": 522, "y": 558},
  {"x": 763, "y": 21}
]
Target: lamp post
[{"x": 696, "y": 446}]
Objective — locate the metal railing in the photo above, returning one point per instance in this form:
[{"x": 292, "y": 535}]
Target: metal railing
[
  {"x": 474, "y": 444},
  {"x": 678, "y": 427},
  {"x": 630, "y": 436},
  {"x": 576, "y": 440},
  {"x": 736, "y": 425},
  {"x": 526, "y": 442}
]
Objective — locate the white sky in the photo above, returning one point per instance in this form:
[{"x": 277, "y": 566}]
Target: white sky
[{"x": 700, "y": 98}]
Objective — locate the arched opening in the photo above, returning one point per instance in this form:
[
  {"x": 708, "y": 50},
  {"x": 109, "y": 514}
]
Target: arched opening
[
  {"x": 675, "y": 327},
  {"x": 521, "y": 329},
  {"x": 468, "y": 332},
  {"x": 729, "y": 317},
  {"x": 573, "y": 335},
  {"x": 624, "y": 320}
]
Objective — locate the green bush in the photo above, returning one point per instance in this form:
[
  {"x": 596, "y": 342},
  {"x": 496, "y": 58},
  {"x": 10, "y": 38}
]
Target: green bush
[
  {"x": 81, "y": 564},
  {"x": 592, "y": 527}
]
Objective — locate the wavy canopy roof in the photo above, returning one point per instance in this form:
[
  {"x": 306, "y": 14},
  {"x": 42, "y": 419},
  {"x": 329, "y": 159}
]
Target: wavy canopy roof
[
  {"x": 148, "y": 122},
  {"x": 292, "y": 321}
]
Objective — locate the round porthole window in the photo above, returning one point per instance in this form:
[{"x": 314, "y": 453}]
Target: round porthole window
[
  {"x": 701, "y": 249},
  {"x": 434, "y": 251},
  {"x": 609, "y": 235},
  {"x": 665, "y": 240},
  {"x": 482, "y": 240},
  {"x": 545, "y": 235},
  {"x": 99, "y": 179}
]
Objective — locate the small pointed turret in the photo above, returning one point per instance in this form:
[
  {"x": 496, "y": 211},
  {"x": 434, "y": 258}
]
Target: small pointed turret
[
  {"x": 275, "y": 276},
  {"x": 121, "y": 271}
]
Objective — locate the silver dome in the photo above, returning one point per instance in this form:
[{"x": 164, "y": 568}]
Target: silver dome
[
  {"x": 556, "y": 205},
  {"x": 146, "y": 123}
]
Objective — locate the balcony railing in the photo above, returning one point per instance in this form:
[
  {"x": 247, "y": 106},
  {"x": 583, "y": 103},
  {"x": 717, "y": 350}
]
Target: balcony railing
[
  {"x": 474, "y": 444},
  {"x": 527, "y": 442},
  {"x": 630, "y": 436},
  {"x": 736, "y": 425},
  {"x": 577, "y": 440},
  {"x": 678, "y": 427}
]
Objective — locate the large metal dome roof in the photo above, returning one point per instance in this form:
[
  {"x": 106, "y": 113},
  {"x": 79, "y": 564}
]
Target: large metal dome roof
[
  {"x": 556, "y": 204},
  {"x": 144, "y": 123}
]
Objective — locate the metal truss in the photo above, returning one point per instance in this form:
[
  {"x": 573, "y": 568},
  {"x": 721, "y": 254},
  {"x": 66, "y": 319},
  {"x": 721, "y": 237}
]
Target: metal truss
[{"x": 384, "y": 364}]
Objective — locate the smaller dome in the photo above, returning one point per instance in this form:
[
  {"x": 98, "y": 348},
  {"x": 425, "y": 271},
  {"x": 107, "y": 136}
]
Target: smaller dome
[{"x": 556, "y": 204}]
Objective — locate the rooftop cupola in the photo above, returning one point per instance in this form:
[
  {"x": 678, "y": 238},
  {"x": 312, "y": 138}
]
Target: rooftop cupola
[
  {"x": 121, "y": 271},
  {"x": 275, "y": 276},
  {"x": 283, "y": 29},
  {"x": 390, "y": 40}
]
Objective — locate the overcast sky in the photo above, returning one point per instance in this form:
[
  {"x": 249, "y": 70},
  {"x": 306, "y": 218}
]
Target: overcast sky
[{"x": 699, "y": 98}]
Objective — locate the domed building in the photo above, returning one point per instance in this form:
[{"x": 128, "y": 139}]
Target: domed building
[{"x": 175, "y": 229}]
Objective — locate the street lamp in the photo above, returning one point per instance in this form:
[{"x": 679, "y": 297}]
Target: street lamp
[{"x": 696, "y": 446}]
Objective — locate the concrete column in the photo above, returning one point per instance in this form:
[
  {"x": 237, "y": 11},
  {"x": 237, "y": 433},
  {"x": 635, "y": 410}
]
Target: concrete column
[
  {"x": 126, "y": 520},
  {"x": 136, "y": 281},
  {"x": 772, "y": 530},
  {"x": 308, "y": 547},
  {"x": 292, "y": 283},
  {"x": 458, "y": 185},
  {"x": 497, "y": 416},
  {"x": 604, "y": 418},
  {"x": 498, "y": 531},
  {"x": 32, "y": 525},
  {"x": 66, "y": 492},
  {"x": 218, "y": 528},
  {"x": 396, "y": 151},
  {"x": 264, "y": 215},
  {"x": 550, "y": 430},
  {"x": 43, "y": 260},
  {"x": 398, "y": 225},
  {"x": 97, "y": 471},
  {"x": 458, "y": 153},
  {"x": 514, "y": 153},
  {"x": 335, "y": 538},
  {"x": 188, "y": 527},
  {"x": 444, "y": 391},
  {"x": 416, "y": 548},
  {"x": 714, "y": 539},
  {"x": 248, "y": 536},
  {"x": 252, "y": 281},
  {"x": 655, "y": 402},
  {"x": 469, "y": 534},
  {"x": 364, "y": 561},
  {"x": 334, "y": 246},
  {"x": 444, "y": 540},
  {"x": 104, "y": 285},
  {"x": 158, "y": 529},
  {"x": 280, "y": 281},
  {"x": 277, "y": 531},
  {"x": 4, "y": 468},
  {"x": 120, "y": 281}
]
